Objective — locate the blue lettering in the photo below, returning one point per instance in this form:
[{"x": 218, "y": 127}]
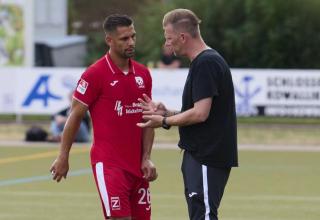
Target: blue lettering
[{"x": 37, "y": 94}]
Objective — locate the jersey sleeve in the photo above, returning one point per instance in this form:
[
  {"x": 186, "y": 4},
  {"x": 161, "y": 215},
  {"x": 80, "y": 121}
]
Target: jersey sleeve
[
  {"x": 204, "y": 84},
  {"x": 88, "y": 87}
]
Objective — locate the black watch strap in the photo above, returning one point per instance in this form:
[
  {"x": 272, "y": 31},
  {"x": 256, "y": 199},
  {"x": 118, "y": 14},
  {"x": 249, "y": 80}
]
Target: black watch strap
[{"x": 164, "y": 123}]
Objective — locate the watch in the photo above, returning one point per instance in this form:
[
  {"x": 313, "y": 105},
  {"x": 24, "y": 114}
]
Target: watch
[{"x": 164, "y": 124}]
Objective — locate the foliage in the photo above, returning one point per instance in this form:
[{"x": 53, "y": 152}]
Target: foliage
[
  {"x": 149, "y": 32},
  {"x": 96, "y": 47},
  {"x": 11, "y": 36},
  {"x": 86, "y": 18},
  {"x": 249, "y": 33}
]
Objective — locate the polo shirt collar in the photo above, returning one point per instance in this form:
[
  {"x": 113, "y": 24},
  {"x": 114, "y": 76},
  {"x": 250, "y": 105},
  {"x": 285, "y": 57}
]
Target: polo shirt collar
[{"x": 115, "y": 69}]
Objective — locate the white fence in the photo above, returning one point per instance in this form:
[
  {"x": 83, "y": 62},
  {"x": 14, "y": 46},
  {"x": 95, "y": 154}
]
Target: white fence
[{"x": 258, "y": 92}]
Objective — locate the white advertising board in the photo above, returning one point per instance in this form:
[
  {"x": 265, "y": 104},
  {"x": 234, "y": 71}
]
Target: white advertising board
[
  {"x": 36, "y": 90},
  {"x": 257, "y": 92},
  {"x": 167, "y": 86},
  {"x": 277, "y": 92}
]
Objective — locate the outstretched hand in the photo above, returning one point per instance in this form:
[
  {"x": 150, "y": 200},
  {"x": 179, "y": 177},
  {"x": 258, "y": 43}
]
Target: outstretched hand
[
  {"x": 151, "y": 121},
  {"x": 150, "y": 107}
]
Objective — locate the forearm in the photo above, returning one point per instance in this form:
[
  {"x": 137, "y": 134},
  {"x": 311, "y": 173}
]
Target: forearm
[
  {"x": 147, "y": 142},
  {"x": 69, "y": 132},
  {"x": 169, "y": 113},
  {"x": 198, "y": 114},
  {"x": 188, "y": 117}
]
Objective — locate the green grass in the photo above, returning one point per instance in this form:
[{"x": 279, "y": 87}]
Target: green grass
[
  {"x": 268, "y": 131},
  {"x": 267, "y": 134},
  {"x": 253, "y": 130},
  {"x": 267, "y": 185},
  {"x": 279, "y": 120},
  {"x": 241, "y": 120}
]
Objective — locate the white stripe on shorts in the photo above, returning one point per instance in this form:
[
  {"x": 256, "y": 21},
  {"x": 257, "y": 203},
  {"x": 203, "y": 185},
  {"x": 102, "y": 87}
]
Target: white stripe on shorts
[
  {"x": 205, "y": 191},
  {"x": 102, "y": 187}
]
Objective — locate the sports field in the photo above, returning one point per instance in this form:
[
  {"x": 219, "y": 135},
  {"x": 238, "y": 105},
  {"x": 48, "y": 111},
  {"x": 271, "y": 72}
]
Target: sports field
[{"x": 268, "y": 185}]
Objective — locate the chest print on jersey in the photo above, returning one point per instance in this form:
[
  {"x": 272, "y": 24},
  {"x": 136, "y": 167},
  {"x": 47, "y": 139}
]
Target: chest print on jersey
[
  {"x": 133, "y": 108},
  {"x": 114, "y": 82},
  {"x": 139, "y": 82}
]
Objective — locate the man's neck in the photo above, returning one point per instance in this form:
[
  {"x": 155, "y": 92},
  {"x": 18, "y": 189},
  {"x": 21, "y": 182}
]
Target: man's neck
[
  {"x": 121, "y": 63},
  {"x": 195, "y": 48}
]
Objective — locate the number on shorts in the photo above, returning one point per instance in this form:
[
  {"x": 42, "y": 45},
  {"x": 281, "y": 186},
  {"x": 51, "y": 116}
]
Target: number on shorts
[{"x": 145, "y": 196}]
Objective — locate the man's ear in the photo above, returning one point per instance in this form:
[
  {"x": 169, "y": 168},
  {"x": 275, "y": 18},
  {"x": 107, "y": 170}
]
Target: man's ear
[
  {"x": 108, "y": 40},
  {"x": 183, "y": 37}
]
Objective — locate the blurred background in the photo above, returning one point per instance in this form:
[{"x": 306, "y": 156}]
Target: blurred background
[{"x": 272, "y": 47}]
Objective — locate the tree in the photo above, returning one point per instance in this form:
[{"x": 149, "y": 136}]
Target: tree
[{"x": 248, "y": 33}]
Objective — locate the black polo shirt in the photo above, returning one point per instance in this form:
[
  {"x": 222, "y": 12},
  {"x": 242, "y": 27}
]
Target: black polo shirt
[{"x": 213, "y": 142}]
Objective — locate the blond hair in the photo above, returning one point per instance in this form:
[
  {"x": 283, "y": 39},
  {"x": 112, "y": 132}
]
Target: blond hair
[{"x": 183, "y": 20}]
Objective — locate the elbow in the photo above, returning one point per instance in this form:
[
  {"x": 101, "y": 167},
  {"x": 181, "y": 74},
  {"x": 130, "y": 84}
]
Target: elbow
[{"x": 202, "y": 117}]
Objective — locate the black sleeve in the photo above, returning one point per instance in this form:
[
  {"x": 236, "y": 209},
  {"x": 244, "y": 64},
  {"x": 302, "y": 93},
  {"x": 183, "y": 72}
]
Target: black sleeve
[{"x": 204, "y": 84}]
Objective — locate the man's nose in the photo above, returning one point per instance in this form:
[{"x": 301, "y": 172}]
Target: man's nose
[
  {"x": 131, "y": 42},
  {"x": 167, "y": 44}
]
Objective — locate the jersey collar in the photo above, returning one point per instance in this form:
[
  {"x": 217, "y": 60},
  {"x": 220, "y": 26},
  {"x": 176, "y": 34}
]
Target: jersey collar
[{"x": 115, "y": 69}]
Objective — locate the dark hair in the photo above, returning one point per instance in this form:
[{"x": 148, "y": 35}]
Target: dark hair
[{"x": 111, "y": 22}]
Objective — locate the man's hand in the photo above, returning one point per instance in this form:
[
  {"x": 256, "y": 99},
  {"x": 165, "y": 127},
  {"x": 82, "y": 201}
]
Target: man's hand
[
  {"x": 60, "y": 168},
  {"x": 149, "y": 170},
  {"x": 151, "y": 121},
  {"x": 152, "y": 108}
]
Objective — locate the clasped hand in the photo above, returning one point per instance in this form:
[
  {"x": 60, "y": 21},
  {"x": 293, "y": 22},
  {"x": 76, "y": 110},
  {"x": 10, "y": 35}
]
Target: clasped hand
[{"x": 152, "y": 112}]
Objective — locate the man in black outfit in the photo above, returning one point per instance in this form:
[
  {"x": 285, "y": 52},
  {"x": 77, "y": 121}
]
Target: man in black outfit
[{"x": 207, "y": 121}]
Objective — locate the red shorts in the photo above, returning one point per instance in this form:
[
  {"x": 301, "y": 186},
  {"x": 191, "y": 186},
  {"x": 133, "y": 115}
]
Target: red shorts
[{"x": 122, "y": 194}]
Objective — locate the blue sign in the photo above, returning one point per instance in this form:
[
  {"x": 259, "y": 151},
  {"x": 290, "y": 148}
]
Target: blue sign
[
  {"x": 39, "y": 94},
  {"x": 245, "y": 96}
]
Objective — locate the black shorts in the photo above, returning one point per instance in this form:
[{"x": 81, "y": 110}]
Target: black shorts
[{"x": 204, "y": 187}]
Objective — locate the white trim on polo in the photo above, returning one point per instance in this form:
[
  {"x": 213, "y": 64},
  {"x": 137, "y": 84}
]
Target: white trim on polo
[
  {"x": 107, "y": 59},
  {"x": 80, "y": 101}
]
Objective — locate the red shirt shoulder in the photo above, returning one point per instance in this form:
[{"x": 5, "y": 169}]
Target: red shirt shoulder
[{"x": 90, "y": 83}]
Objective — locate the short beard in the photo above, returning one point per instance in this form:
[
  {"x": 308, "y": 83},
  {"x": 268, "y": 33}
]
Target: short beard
[{"x": 128, "y": 55}]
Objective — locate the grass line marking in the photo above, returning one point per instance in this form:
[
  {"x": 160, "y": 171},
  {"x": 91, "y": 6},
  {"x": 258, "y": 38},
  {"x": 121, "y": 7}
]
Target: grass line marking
[
  {"x": 41, "y": 178},
  {"x": 39, "y": 155}
]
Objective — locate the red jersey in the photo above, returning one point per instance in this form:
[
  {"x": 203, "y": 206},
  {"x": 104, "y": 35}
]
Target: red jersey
[{"x": 111, "y": 97}]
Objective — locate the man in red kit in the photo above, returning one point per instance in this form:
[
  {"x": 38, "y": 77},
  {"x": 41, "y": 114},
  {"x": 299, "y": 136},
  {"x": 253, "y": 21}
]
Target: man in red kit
[{"x": 120, "y": 154}]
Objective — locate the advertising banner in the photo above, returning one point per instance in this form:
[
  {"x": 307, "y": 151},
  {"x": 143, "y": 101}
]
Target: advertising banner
[
  {"x": 37, "y": 90},
  {"x": 257, "y": 92},
  {"x": 277, "y": 92}
]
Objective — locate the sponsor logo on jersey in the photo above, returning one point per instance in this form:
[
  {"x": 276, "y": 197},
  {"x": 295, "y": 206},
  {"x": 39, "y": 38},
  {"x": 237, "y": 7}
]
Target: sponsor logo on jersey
[
  {"x": 82, "y": 86},
  {"x": 118, "y": 107},
  {"x": 139, "y": 82},
  {"x": 134, "y": 108},
  {"x": 115, "y": 203}
]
